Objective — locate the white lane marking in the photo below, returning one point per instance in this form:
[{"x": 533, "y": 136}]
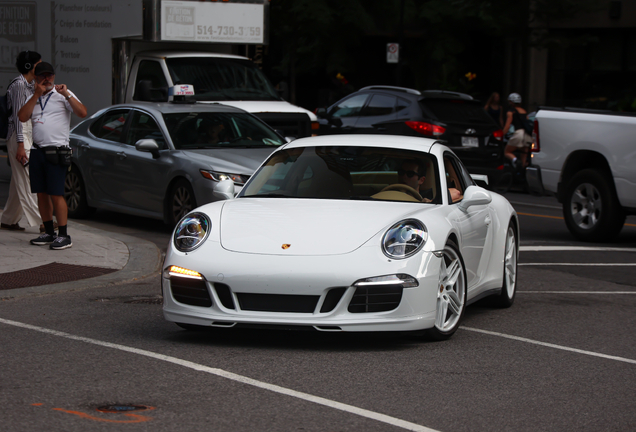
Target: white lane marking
[
  {"x": 535, "y": 205},
  {"x": 573, "y": 248},
  {"x": 550, "y": 345},
  {"x": 234, "y": 377},
  {"x": 581, "y": 264},
  {"x": 577, "y": 292}
]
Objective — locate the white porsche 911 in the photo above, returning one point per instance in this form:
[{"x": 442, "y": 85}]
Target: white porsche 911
[{"x": 345, "y": 233}]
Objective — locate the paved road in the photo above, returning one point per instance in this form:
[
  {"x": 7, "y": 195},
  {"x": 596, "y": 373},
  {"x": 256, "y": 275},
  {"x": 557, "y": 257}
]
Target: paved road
[{"x": 562, "y": 358}]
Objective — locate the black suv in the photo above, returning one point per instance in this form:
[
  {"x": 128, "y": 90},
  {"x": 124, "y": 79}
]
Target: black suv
[{"x": 454, "y": 117}]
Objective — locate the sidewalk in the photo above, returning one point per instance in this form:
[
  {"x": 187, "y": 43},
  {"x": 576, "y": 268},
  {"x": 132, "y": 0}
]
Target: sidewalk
[{"x": 97, "y": 258}]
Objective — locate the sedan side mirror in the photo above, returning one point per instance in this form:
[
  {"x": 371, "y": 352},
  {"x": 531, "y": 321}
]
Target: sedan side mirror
[
  {"x": 321, "y": 112},
  {"x": 473, "y": 196},
  {"x": 148, "y": 146},
  {"x": 224, "y": 190}
]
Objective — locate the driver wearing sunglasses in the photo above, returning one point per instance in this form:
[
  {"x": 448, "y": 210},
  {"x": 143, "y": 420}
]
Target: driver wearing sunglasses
[{"x": 413, "y": 175}]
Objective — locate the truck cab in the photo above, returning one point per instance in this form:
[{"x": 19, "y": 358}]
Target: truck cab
[{"x": 217, "y": 78}]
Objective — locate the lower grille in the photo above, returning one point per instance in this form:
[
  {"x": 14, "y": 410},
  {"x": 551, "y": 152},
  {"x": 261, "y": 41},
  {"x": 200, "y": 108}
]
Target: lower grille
[
  {"x": 331, "y": 299},
  {"x": 225, "y": 295},
  {"x": 193, "y": 292},
  {"x": 277, "y": 302},
  {"x": 375, "y": 299}
]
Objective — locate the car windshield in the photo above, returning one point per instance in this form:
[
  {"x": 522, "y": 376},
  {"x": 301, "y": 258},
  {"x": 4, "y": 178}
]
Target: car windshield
[
  {"x": 347, "y": 172},
  {"x": 202, "y": 130},
  {"x": 217, "y": 79}
]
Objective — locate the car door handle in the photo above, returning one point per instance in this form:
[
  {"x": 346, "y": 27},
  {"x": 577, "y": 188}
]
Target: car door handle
[
  {"x": 83, "y": 145},
  {"x": 487, "y": 220},
  {"x": 381, "y": 128},
  {"x": 121, "y": 155}
]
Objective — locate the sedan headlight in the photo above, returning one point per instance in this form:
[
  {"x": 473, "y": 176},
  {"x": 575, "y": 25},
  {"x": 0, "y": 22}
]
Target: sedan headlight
[
  {"x": 191, "y": 232},
  {"x": 238, "y": 179},
  {"x": 404, "y": 239}
]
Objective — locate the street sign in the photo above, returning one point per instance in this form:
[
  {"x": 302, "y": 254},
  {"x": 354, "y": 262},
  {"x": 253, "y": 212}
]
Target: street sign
[{"x": 392, "y": 52}]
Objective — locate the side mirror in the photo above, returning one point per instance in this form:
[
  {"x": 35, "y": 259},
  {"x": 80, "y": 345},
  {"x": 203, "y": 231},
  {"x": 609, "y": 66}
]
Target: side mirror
[
  {"x": 224, "y": 190},
  {"x": 480, "y": 179},
  {"x": 336, "y": 121},
  {"x": 321, "y": 112},
  {"x": 148, "y": 146},
  {"x": 473, "y": 196}
]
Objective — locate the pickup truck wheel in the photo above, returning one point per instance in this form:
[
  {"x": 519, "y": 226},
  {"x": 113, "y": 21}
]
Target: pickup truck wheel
[{"x": 591, "y": 208}]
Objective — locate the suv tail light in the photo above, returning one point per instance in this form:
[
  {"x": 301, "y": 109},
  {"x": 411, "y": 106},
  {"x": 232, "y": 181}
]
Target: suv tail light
[
  {"x": 498, "y": 135},
  {"x": 536, "y": 146},
  {"x": 427, "y": 129}
]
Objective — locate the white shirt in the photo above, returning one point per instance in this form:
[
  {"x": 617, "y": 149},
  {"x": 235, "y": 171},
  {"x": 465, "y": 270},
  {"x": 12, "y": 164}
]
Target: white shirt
[{"x": 51, "y": 119}]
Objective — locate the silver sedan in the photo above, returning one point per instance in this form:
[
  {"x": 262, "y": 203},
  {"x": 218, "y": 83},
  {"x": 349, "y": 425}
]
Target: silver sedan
[{"x": 163, "y": 160}]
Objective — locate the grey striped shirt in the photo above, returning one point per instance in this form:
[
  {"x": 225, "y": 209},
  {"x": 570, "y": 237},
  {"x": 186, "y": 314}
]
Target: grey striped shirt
[{"x": 19, "y": 92}]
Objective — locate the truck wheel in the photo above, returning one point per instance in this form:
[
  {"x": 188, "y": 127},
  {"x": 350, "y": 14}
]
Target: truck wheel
[
  {"x": 75, "y": 195},
  {"x": 591, "y": 208},
  {"x": 180, "y": 202}
]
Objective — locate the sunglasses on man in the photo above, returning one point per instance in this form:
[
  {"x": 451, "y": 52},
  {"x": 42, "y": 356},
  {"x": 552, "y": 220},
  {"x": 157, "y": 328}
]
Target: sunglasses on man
[{"x": 408, "y": 173}]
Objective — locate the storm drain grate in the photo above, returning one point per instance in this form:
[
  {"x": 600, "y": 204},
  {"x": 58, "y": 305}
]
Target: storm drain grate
[{"x": 49, "y": 274}]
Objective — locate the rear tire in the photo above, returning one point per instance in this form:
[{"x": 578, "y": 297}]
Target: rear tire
[
  {"x": 590, "y": 207},
  {"x": 511, "y": 257},
  {"x": 180, "y": 202},
  {"x": 75, "y": 195}
]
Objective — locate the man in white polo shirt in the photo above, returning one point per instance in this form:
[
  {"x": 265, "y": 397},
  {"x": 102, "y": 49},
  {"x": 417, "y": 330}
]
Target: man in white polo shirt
[{"x": 50, "y": 110}]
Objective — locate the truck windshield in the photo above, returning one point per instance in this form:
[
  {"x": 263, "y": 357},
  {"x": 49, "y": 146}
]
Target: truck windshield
[
  {"x": 202, "y": 130},
  {"x": 216, "y": 79}
]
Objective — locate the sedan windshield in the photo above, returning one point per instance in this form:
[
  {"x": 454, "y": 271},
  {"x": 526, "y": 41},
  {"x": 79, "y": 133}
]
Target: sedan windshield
[
  {"x": 216, "y": 79},
  {"x": 202, "y": 130},
  {"x": 342, "y": 172}
]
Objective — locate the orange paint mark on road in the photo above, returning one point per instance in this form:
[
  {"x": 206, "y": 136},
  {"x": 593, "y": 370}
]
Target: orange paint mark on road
[
  {"x": 136, "y": 418},
  {"x": 37, "y": 404},
  {"x": 557, "y": 217}
]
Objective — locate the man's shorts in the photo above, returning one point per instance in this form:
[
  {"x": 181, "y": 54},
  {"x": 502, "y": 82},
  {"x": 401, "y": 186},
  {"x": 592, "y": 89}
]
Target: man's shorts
[
  {"x": 520, "y": 139},
  {"x": 46, "y": 177}
]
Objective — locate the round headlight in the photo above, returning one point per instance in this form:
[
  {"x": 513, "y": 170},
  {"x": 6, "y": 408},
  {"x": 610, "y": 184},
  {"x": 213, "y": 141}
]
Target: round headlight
[
  {"x": 404, "y": 239},
  {"x": 191, "y": 232}
]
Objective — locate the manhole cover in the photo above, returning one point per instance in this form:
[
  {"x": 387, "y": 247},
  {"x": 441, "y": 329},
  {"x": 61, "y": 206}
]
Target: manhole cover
[{"x": 122, "y": 408}]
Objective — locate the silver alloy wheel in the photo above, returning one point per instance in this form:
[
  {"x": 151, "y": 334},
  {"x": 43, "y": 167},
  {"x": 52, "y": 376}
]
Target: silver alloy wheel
[
  {"x": 181, "y": 202},
  {"x": 510, "y": 263},
  {"x": 72, "y": 191},
  {"x": 451, "y": 292},
  {"x": 586, "y": 205}
]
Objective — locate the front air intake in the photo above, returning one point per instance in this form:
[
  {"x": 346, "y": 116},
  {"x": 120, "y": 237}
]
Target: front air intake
[
  {"x": 193, "y": 292},
  {"x": 379, "y": 298}
]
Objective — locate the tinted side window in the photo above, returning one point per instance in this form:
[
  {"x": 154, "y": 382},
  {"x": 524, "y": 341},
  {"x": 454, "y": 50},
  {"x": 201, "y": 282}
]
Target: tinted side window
[
  {"x": 401, "y": 104},
  {"x": 350, "y": 107},
  {"x": 151, "y": 82},
  {"x": 380, "y": 105},
  {"x": 143, "y": 126},
  {"x": 110, "y": 125}
]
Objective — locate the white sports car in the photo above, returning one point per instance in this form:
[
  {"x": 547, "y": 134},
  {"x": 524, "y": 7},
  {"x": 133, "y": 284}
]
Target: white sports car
[{"x": 345, "y": 233}]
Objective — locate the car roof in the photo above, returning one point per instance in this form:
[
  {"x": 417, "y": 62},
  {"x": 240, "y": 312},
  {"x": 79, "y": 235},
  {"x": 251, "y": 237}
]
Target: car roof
[
  {"x": 170, "y": 107},
  {"x": 180, "y": 54},
  {"x": 389, "y": 141},
  {"x": 413, "y": 93}
]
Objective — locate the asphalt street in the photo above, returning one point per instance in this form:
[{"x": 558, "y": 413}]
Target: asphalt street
[{"x": 562, "y": 358}]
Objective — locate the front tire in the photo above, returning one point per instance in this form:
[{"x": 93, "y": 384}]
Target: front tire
[
  {"x": 180, "y": 202},
  {"x": 75, "y": 195},
  {"x": 590, "y": 207},
  {"x": 451, "y": 294},
  {"x": 511, "y": 257}
]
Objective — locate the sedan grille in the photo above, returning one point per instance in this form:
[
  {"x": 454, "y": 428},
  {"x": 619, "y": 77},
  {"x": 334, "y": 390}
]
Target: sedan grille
[
  {"x": 375, "y": 299},
  {"x": 193, "y": 292}
]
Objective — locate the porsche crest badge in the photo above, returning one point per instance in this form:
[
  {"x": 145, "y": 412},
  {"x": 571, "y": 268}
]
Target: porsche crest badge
[{"x": 286, "y": 246}]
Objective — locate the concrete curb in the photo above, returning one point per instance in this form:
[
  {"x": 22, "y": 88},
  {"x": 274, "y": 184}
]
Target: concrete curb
[{"x": 144, "y": 260}]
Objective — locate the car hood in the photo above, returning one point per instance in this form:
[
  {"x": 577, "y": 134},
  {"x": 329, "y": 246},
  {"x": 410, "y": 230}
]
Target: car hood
[
  {"x": 309, "y": 226},
  {"x": 232, "y": 161}
]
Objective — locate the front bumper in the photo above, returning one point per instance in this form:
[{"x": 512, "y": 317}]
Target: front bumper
[{"x": 312, "y": 276}]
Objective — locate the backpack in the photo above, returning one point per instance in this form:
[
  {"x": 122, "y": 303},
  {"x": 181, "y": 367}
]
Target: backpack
[{"x": 5, "y": 112}]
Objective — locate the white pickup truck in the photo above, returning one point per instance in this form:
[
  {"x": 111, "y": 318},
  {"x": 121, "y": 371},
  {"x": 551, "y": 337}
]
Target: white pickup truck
[{"x": 587, "y": 158}]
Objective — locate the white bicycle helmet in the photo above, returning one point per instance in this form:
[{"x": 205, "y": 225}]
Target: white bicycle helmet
[{"x": 515, "y": 98}]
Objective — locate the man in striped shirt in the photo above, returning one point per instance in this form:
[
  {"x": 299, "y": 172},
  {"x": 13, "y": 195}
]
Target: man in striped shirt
[{"x": 21, "y": 201}]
